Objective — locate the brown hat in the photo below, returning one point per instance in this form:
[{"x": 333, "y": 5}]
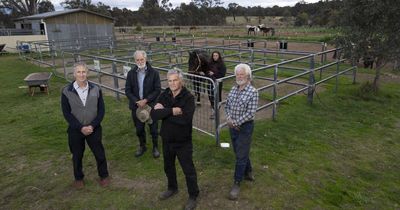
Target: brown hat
[{"x": 143, "y": 114}]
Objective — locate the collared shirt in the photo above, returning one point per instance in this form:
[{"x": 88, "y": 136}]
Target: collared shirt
[
  {"x": 241, "y": 105},
  {"x": 82, "y": 92},
  {"x": 141, "y": 73}
]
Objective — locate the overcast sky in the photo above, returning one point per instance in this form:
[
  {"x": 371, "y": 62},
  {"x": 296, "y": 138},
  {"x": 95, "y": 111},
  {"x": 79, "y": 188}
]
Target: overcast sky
[{"x": 135, "y": 4}]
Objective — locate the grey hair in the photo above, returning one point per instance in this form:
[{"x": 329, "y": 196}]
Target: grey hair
[
  {"x": 176, "y": 71},
  {"x": 142, "y": 52},
  {"x": 245, "y": 67},
  {"x": 80, "y": 63}
]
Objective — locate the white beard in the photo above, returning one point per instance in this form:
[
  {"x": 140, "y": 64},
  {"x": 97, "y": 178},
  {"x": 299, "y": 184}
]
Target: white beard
[
  {"x": 241, "y": 82},
  {"x": 141, "y": 66}
]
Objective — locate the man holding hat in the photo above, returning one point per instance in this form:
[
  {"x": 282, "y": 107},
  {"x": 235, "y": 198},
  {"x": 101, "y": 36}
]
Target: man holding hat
[{"x": 142, "y": 89}]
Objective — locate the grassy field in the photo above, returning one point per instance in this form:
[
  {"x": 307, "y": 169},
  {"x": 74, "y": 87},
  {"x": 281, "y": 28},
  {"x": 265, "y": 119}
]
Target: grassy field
[{"x": 340, "y": 153}]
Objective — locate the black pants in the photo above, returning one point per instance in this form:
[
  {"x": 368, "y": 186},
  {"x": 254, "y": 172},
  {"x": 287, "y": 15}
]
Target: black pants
[
  {"x": 184, "y": 153},
  {"x": 141, "y": 130},
  {"x": 210, "y": 87},
  {"x": 76, "y": 141}
]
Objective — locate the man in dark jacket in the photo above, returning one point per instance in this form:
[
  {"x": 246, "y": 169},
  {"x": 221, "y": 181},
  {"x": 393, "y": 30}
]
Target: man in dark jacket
[
  {"x": 83, "y": 108},
  {"x": 176, "y": 108},
  {"x": 142, "y": 88}
]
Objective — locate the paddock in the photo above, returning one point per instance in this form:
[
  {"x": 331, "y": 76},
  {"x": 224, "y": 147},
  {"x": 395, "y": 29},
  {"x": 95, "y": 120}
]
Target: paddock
[{"x": 279, "y": 73}]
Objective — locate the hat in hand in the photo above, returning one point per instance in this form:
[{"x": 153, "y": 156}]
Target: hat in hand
[{"x": 143, "y": 114}]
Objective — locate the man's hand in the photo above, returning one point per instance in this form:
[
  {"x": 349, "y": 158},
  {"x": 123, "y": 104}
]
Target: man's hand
[
  {"x": 230, "y": 124},
  {"x": 176, "y": 111},
  {"x": 87, "y": 130},
  {"x": 141, "y": 103},
  {"x": 158, "y": 106}
]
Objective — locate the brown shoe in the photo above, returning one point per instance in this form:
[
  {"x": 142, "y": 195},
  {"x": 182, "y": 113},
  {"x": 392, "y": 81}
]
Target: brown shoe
[
  {"x": 104, "y": 182},
  {"x": 78, "y": 184}
]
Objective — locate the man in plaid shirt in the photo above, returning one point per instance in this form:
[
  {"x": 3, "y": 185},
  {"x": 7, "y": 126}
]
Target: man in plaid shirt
[{"x": 240, "y": 109}]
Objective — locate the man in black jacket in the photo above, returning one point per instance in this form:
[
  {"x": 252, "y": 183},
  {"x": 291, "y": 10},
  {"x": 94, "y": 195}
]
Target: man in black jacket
[
  {"x": 83, "y": 108},
  {"x": 142, "y": 88},
  {"x": 176, "y": 107}
]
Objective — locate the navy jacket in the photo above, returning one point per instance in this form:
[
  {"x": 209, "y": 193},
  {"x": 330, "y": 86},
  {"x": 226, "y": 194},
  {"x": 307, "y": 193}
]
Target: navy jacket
[{"x": 151, "y": 86}]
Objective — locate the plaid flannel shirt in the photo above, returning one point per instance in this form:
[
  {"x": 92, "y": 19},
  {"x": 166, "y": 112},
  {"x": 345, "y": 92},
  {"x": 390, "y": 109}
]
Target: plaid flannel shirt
[{"x": 241, "y": 105}]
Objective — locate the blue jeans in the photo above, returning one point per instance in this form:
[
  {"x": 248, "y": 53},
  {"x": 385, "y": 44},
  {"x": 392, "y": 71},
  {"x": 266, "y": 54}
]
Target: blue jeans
[{"x": 241, "y": 141}]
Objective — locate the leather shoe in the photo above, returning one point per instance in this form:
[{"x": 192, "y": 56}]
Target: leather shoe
[
  {"x": 140, "y": 151},
  {"x": 78, "y": 184},
  {"x": 156, "y": 153},
  {"x": 104, "y": 182},
  {"x": 234, "y": 193},
  {"x": 167, "y": 194},
  {"x": 249, "y": 177},
  {"x": 191, "y": 204}
]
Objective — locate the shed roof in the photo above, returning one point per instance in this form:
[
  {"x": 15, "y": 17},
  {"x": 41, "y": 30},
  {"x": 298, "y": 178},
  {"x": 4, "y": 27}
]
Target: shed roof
[{"x": 58, "y": 13}]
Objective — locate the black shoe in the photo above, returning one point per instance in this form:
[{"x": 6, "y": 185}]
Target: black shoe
[
  {"x": 191, "y": 204},
  {"x": 167, "y": 194},
  {"x": 156, "y": 153},
  {"x": 234, "y": 193},
  {"x": 140, "y": 151},
  {"x": 249, "y": 177}
]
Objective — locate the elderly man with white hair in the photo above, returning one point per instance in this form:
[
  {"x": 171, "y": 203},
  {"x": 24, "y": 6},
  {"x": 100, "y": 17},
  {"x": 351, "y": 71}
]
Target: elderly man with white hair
[
  {"x": 240, "y": 109},
  {"x": 142, "y": 88}
]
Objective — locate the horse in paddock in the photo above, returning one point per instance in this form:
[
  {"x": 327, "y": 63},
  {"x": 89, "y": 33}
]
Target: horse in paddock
[
  {"x": 177, "y": 28},
  {"x": 199, "y": 64},
  {"x": 252, "y": 29},
  {"x": 266, "y": 30}
]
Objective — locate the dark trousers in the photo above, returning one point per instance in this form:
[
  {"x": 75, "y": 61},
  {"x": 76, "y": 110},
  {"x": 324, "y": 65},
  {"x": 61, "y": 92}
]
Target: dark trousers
[
  {"x": 241, "y": 141},
  {"x": 141, "y": 130},
  {"x": 184, "y": 152},
  {"x": 76, "y": 141},
  {"x": 211, "y": 93}
]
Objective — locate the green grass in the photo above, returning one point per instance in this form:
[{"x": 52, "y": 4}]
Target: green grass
[{"x": 339, "y": 153}]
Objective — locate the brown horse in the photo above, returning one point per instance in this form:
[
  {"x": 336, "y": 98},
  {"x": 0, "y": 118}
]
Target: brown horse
[{"x": 266, "y": 30}]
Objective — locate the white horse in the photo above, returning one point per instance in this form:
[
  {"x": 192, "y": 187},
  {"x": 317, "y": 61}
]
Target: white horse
[{"x": 253, "y": 29}]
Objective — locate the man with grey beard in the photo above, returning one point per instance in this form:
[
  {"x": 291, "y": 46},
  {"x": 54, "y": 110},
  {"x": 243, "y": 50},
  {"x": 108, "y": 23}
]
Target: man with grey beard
[
  {"x": 142, "y": 88},
  {"x": 240, "y": 109}
]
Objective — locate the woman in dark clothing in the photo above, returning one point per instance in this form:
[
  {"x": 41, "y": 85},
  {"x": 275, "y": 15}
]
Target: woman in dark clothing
[{"x": 217, "y": 70}]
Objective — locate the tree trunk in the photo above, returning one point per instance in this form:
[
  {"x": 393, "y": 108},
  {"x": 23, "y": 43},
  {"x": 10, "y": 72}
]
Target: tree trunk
[{"x": 379, "y": 65}]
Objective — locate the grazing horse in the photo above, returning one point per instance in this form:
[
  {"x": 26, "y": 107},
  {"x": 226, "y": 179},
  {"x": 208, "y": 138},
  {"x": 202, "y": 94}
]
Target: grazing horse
[
  {"x": 199, "y": 64},
  {"x": 177, "y": 28},
  {"x": 266, "y": 30}
]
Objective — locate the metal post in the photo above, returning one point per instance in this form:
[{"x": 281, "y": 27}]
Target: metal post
[
  {"x": 322, "y": 50},
  {"x": 252, "y": 58},
  {"x": 265, "y": 54},
  {"x": 274, "y": 92},
  {"x": 116, "y": 85},
  {"x": 311, "y": 81},
  {"x": 216, "y": 85},
  {"x": 337, "y": 70}
]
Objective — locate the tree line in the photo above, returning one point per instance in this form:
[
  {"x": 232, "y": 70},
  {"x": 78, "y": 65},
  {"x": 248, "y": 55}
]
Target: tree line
[{"x": 197, "y": 12}]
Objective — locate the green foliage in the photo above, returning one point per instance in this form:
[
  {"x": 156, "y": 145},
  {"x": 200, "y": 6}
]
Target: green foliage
[
  {"x": 138, "y": 27},
  {"x": 370, "y": 29}
]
